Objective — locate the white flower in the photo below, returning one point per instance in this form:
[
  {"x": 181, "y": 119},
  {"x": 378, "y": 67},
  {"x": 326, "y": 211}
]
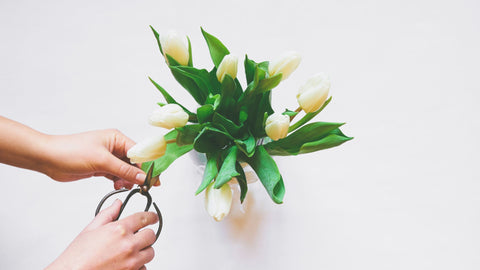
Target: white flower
[
  {"x": 174, "y": 45},
  {"x": 227, "y": 66},
  {"x": 286, "y": 65},
  {"x": 277, "y": 125},
  {"x": 218, "y": 201},
  {"x": 314, "y": 92},
  {"x": 147, "y": 150},
  {"x": 169, "y": 116}
]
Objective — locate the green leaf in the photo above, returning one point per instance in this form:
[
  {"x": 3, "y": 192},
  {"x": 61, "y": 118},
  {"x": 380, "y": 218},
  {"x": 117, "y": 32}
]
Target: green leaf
[
  {"x": 267, "y": 171},
  {"x": 308, "y": 116},
  {"x": 210, "y": 172},
  {"x": 249, "y": 69},
  {"x": 157, "y": 37},
  {"x": 205, "y": 113},
  {"x": 171, "y": 154},
  {"x": 247, "y": 145},
  {"x": 190, "y": 60},
  {"x": 242, "y": 181},
  {"x": 267, "y": 84},
  {"x": 211, "y": 139},
  {"x": 216, "y": 48},
  {"x": 309, "y": 136},
  {"x": 257, "y": 116},
  {"x": 215, "y": 84},
  {"x": 195, "y": 81},
  {"x": 227, "y": 101},
  {"x": 227, "y": 171},
  {"x": 164, "y": 92},
  {"x": 171, "y": 100},
  {"x": 335, "y": 138},
  {"x": 290, "y": 113},
  {"x": 187, "y": 134},
  {"x": 228, "y": 124},
  {"x": 171, "y": 62},
  {"x": 213, "y": 100}
]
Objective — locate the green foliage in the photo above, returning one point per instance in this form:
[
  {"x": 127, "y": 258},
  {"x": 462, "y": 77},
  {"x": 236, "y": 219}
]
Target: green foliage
[
  {"x": 228, "y": 126},
  {"x": 267, "y": 171},
  {"x": 216, "y": 47}
]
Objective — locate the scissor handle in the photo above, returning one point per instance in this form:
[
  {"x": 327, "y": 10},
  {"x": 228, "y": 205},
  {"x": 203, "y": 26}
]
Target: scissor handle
[
  {"x": 147, "y": 207},
  {"x": 102, "y": 201}
]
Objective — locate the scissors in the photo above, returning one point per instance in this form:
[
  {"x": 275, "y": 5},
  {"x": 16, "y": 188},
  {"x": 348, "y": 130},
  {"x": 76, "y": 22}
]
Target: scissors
[{"x": 143, "y": 190}]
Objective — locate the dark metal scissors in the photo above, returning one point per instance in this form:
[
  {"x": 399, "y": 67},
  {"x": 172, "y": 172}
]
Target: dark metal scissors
[{"x": 143, "y": 190}]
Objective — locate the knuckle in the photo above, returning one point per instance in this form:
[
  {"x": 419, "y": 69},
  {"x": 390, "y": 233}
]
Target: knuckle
[
  {"x": 128, "y": 248},
  {"x": 150, "y": 254},
  {"x": 131, "y": 265},
  {"x": 121, "y": 230},
  {"x": 148, "y": 218}
]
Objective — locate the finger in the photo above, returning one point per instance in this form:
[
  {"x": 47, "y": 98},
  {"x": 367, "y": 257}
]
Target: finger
[
  {"x": 127, "y": 184},
  {"x": 157, "y": 181},
  {"x": 121, "y": 144},
  {"x": 145, "y": 256},
  {"x": 139, "y": 220},
  {"x": 143, "y": 268},
  {"x": 123, "y": 170},
  {"x": 105, "y": 216},
  {"x": 144, "y": 238},
  {"x": 118, "y": 184}
]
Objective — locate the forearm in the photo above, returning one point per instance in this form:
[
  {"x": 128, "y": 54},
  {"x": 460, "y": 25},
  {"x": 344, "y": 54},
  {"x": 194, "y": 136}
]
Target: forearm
[{"x": 21, "y": 146}]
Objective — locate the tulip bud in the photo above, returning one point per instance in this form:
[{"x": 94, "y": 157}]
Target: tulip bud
[
  {"x": 227, "y": 66},
  {"x": 174, "y": 45},
  {"x": 218, "y": 201},
  {"x": 169, "y": 116},
  {"x": 286, "y": 65},
  {"x": 147, "y": 150},
  {"x": 277, "y": 125},
  {"x": 314, "y": 92}
]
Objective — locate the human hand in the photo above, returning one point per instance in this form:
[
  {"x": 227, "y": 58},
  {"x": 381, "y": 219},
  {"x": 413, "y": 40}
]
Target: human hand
[
  {"x": 106, "y": 244},
  {"x": 94, "y": 153}
]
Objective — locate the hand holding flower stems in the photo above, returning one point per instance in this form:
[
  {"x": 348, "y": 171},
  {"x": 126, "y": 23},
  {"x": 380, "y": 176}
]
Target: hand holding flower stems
[
  {"x": 67, "y": 158},
  {"x": 234, "y": 125}
]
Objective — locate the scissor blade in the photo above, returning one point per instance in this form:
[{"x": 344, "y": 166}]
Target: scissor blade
[{"x": 149, "y": 180}]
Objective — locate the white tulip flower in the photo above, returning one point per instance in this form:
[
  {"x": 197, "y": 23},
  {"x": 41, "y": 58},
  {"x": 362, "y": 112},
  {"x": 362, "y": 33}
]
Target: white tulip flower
[
  {"x": 147, "y": 150},
  {"x": 174, "y": 45},
  {"x": 169, "y": 116},
  {"x": 227, "y": 66},
  {"x": 277, "y": 125},
  {"x": 286, "y": 65},
  {"x": 314, "y": 92},
  {"x": 218, "y": 201}
]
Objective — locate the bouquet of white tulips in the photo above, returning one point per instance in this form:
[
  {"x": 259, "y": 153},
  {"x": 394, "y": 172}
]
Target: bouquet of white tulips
[{"x": 234, "y": 125}]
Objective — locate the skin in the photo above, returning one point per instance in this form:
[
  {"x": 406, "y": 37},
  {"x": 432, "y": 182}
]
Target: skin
[
  {"x": 67, "y": 158},
  {"x": 104, "y": 243}
]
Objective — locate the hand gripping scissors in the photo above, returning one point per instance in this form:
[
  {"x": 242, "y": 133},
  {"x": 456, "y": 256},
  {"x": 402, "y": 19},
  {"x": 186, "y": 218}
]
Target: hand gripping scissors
[{"x": 143, "y": 190}]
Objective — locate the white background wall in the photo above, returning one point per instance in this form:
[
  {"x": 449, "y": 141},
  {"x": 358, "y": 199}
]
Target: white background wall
[{"x": 404, "y": 194}]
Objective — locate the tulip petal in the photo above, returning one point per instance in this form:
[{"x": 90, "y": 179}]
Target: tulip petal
[{"x": 218, "y": 201}]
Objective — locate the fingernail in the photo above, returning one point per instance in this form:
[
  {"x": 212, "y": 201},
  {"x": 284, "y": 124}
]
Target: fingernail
[{"x": 140, "y": 177}]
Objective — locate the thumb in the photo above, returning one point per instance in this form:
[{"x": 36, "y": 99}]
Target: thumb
[
  {"x": 124, "y": 170},
  {"x": 105, "y": 216}
]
